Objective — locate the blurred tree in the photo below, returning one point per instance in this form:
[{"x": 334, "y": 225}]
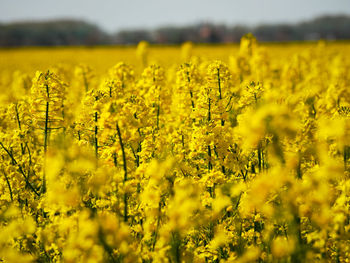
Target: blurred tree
[{"x": 75, "y": 32}]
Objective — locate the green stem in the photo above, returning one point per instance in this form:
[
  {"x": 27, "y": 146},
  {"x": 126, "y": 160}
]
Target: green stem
[
  {"x": 346, "y": 156},
  {"x": 158, "y": 112},
  {"x": 191, "y": 94},
  {"x": 125, "y": 173},
  {"x": 259, "y": 157},
  {"x": 219, "y": 83},
  {"x": 210, "y": 166},
  {"x": 19, "y": 126},
  {"x": 209, "y": 113},
  {"x": 46, "y": 136},
  {"x": 105, "y": 245},
  {"x": 20, "y": 169},
  {"x": 17, "y": 117},
  {"x": 9, "y": 185},
  {"x": 175, "y": 247},
  {"x": 95, "y": 136},
  {"x": 158, "y": 225}
]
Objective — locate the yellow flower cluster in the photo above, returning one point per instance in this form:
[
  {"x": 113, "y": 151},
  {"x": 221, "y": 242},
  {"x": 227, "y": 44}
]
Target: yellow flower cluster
[{"x": 240, "y": 158}]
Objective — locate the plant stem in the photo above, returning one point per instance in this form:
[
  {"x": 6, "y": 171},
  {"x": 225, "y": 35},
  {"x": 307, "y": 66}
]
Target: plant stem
[
  {"x": 95, "y": 136},
  {"x": 9, "y": 185},
  {"x": 20, "y": 169},
  {"x": 46, "y": 136},
  {"x": 219, "y": 83},
  {"x": 125, "y": 173}
]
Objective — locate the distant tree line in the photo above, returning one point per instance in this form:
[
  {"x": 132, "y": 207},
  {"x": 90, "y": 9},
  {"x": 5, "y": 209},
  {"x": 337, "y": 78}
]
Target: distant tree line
[
  {"x": 52, "y": 33},
  {"x": 73, "y": 32}
]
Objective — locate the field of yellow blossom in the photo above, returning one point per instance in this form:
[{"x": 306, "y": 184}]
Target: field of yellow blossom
[{"x": 198, "y": 153}]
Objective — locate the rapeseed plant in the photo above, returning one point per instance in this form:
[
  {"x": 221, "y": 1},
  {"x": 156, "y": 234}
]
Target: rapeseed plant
[{"x": 178, "y": 158}]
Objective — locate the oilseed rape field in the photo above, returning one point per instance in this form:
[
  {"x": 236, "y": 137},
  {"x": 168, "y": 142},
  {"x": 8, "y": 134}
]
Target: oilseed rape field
[{"x": 192, "y": 153}]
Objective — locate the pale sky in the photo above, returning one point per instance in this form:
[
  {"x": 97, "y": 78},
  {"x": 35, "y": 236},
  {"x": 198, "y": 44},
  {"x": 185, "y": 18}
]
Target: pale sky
[{"x": 116, "y": 15}]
